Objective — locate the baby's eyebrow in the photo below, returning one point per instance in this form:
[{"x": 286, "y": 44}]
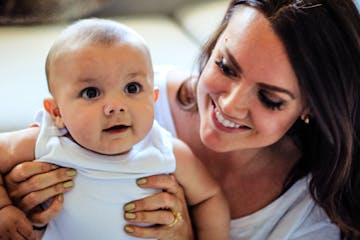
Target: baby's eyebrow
[
  {"x": 135, "y": 74},
  {"x": 87, "y": 80}
]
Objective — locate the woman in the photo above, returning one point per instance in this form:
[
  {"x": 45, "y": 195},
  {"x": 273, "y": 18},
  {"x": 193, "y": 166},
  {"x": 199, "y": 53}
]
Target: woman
[{"x": 277, "y": 111}]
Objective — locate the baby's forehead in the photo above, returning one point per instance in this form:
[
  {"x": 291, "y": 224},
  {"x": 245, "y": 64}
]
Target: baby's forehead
[
  {"x": 98, "y": 31},
  {"x": 101, "y": 32},
  {"x": 93, "y": 32},
  {"x": 71, "y": 46}
]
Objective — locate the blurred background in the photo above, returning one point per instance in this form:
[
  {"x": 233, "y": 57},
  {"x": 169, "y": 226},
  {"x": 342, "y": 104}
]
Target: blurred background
[{"x": 174, "y": 30}]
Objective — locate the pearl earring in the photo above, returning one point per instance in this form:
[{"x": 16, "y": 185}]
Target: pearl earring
[{"x": 306, "y": 118}]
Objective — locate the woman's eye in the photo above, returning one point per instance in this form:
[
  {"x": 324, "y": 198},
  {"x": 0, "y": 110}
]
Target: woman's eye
[
  {"x": 225, "y": 68},
  {"x": 90, "y": 92},
  {"x": 132, "y": 88},
  {"x": 271, "y": 104}
]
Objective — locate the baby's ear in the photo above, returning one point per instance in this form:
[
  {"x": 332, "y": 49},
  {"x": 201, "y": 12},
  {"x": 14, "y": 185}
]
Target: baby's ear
[
  {"x": 52, "y": 108},
  {"x": 156, "y": 93}
]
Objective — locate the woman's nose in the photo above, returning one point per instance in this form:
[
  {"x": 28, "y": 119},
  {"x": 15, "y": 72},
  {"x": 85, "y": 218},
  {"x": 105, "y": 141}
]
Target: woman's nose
[{"x": 235, "y": 102}]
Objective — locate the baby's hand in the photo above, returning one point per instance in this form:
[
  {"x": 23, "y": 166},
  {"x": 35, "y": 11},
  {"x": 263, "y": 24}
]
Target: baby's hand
[{"x": 15, "y": 225}]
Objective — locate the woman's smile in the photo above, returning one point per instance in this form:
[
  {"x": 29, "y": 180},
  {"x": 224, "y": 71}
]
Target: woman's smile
[{"x": 223, "y": 123}]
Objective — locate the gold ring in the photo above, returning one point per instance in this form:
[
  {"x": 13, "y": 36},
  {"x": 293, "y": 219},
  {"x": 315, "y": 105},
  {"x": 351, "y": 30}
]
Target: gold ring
[{"x": 177, "y": 218}]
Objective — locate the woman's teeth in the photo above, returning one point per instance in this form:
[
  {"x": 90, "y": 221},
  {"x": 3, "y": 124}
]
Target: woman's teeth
[{"x": 225, "y": 122}]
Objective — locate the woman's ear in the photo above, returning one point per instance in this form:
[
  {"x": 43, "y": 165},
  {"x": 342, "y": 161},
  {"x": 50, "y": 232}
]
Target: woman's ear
[
  {"x": 52, "y": 108},
  {"x": 156, "y": 93},
  {"x": 306, "y": 115}
]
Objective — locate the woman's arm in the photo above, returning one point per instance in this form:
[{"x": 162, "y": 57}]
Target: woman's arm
[
  {"x": 31, "y": 183},
  {"x": 17, "y": 147},
  {"x": 208, "y": 206},
  {"x": 14, "y": 148}
]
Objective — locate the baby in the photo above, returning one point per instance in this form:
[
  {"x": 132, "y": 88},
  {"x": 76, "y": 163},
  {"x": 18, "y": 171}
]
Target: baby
[{"x": 100, "y": 121}]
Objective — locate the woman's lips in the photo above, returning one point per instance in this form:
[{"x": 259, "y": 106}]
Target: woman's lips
[
  {"x": 223, "y": 121},
  {"x": 224, "y": 124}
]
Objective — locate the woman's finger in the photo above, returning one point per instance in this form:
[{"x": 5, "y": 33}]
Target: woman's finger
[
  {"x": 36, "y": 182},
  {"x": 33, "y": 199},
  {"x": 161, "y": 232},
  {"x": 167, "y": 182},
  {"x": 24, "y": 170},
  {"x": 154, "y": 217},
  {"x": 43, "y": 217},
  {"x": 162, "y": 200},
  {"x": 143, "y": 232},
  {"x": 26, "y": 233}
]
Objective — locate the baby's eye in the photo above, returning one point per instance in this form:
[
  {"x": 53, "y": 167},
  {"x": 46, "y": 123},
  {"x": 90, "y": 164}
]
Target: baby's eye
[
  {"x": 225, "y": 68},
  {"x": 90, "y": 92},
  {"x": 133, "y": 88},
  {"x": 269, "y": 103}
]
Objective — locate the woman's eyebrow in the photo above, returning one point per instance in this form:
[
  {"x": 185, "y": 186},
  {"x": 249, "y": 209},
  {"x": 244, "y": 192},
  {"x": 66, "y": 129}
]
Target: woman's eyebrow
[
  {"x": 239, "y": 70},
  {"x": 233, "y": 61},
  {"x": 277, "y": 89}
]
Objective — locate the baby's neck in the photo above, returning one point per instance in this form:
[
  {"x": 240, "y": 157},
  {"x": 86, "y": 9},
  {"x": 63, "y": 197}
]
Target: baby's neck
[{"x": 68, "y": 135}]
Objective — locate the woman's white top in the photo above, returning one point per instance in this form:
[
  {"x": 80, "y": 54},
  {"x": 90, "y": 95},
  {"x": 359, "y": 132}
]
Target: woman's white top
[
  {"x": 162, "y": 107},
  {"x": 104, "y": 184},
  {"x": 294, "y": 215}
]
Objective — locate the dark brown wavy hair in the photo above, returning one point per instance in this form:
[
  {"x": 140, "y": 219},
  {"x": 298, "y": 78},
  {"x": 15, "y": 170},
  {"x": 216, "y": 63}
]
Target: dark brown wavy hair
[{"x": 322, "y": 39}]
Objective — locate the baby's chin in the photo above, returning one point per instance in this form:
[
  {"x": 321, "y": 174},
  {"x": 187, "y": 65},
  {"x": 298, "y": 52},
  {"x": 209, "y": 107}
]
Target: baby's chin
[
  {"x": 109, "y": 152},
  {"x": 106, "y": 150}
]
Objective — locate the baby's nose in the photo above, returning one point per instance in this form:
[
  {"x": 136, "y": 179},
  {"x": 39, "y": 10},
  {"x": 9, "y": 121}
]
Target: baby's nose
[{"x": 113, "y": 108}]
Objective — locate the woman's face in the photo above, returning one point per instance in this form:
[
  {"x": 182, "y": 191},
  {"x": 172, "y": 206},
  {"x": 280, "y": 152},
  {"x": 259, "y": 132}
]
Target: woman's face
[{"x": 248, "y": 93}]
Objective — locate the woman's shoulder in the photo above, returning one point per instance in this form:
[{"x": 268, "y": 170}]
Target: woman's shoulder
[
  {"x": 173, "y": 78},
  {"x": 169, "y": 80},
  {"x": 171, "y": 113}
]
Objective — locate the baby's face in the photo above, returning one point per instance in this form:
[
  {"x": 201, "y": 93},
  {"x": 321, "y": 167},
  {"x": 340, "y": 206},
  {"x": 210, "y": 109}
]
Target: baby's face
[{"x": 105, "y": 95}]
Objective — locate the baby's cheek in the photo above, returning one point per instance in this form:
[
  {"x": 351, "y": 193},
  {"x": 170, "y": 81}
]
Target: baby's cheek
[{"x": 83, "y": 133}]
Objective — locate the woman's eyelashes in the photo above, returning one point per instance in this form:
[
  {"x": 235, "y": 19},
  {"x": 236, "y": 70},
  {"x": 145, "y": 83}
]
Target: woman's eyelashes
[
  {"x": 90, "y": 92},
  {"x": 268, "y": 103},
  {"x": 225, "y": 68}
]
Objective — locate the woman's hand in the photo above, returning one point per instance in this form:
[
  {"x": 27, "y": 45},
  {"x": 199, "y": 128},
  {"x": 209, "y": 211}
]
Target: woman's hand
[
  {"x": 31, "y": 183},
  {"x": 15, "y": 225},
  {"x": 166, "y": 211}
]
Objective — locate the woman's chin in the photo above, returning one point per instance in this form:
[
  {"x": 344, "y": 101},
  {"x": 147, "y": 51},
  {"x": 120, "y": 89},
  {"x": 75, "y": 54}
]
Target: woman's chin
[{"x": 213, "y": 142}]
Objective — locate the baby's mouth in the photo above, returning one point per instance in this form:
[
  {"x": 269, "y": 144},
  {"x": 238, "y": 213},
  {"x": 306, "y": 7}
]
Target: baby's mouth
[{"x": 116, "y": 128}]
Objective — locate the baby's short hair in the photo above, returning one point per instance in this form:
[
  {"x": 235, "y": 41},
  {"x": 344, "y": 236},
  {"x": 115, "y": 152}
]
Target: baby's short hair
[{"x": 92, "y": 31}]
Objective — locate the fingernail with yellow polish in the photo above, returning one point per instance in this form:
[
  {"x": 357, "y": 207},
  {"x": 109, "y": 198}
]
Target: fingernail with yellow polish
[
  {"x": 129, "y": 229},
  {"x": 71, "y": 173},
  {"x": 68, "y": 184},
  {"x": 141, "y": 181},
  {"x": 60, "y": 197},
  {"x": 130, "y": 215},
  {"x": 53, "y": 167},
  {"x": 129, "y": 206}
]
